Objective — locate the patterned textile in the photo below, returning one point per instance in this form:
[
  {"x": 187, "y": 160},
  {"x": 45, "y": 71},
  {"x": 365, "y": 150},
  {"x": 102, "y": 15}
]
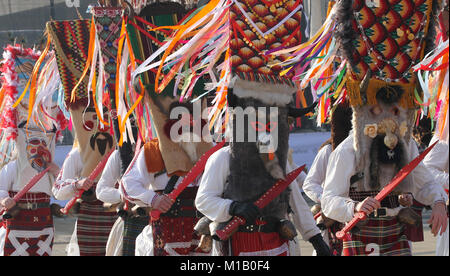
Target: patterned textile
[
  {"x": 391, "y": 201},
  {"x": 71, "y": 42},
  {"x": 391, "y": 37},
  {"x": 258, "y": 26},
  {"x": 139, "y": 5},
  {"x": 385, "y": 235},
  {"x": 132, "y": 228},
  {"x": 380, "y": 236},
  {"x": 258, "y": 244},
  {"x": 31, "y": 232},
  {"x": 173, "y": 236},
  {"x": 415, "y": 234},
  {"x": 145, "y": 43},
  {"x": 93, "y": 228},
  {"x": 108, "y": 23}
]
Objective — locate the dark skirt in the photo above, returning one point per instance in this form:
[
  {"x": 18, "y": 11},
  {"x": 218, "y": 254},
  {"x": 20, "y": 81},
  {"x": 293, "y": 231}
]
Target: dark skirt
[
  {"x": 93, "y": 227},
  {"x": 133, "y": 226}
]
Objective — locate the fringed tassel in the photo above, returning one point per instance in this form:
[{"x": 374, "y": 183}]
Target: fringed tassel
[
  {"x": 319, "y": 55},
  {"x": 433, "y": 74},
  {"x": 200, "y": 40}
]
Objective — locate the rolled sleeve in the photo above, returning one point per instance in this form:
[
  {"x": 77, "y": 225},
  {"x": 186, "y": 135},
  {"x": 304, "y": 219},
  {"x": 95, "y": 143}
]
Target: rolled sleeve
[
  {"x": 437, "y": 162},
  {"x": 426, "y": 189}
]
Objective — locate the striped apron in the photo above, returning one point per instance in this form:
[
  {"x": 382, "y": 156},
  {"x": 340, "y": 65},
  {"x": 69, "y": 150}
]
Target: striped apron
[
  {"x": 31, "y": 232},
  {"x": 93, "y": 227}
]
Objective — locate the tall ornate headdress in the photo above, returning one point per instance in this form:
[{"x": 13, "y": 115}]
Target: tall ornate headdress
[
  {"x": 30, "y": 83},
  {"x": 382, "y": 39}
]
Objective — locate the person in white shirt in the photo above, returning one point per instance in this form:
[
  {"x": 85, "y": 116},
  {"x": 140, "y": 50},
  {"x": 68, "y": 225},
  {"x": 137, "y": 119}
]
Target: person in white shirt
[
  {"x": 92, "y": 143},
  {"x": 437, "y": 163},
  {"x": 341, "y": 124},
  {"x": 367, "y": 161},
  {"x": 159, "y": 168},
  {"x": 28, "y": 134},
  {"x": 238, "y": 174}
]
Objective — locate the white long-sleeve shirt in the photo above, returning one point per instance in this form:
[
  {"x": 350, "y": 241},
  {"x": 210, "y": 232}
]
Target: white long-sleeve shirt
[
  {"x": 437, "y": 162},
  {"x": 64, "y": 189},
  {"x": 140, "y": 185},
  {"x": 106, "y": 190},
  {"x": 9, "y": 180},
  {"x": 209, "y": 200},
  {"x": 336, "y": 203},
  {"x": 313, "y": 185}
]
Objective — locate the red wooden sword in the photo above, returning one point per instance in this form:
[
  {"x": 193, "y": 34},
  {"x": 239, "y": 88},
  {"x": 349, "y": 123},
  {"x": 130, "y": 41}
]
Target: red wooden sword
[
  {"x": 27, "y": 187},
  {"x": 198, "y": 168},
  {"x": 92, "y": 177}
]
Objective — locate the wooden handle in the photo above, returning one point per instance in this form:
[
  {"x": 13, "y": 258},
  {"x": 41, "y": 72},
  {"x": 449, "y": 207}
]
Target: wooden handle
[
  {"x": 349, "y": 226},
  {"x": 316, "y": 216},
  {"x": 71, "y": 202},
  {"x": 230, "y": 229}
]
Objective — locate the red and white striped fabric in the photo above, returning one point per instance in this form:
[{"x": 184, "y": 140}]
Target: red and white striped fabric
[{"x": 31, "y": 232}]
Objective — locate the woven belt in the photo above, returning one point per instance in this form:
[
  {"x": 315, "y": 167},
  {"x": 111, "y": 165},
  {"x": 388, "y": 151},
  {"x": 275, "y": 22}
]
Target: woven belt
[{"x": 33, "y": 206}]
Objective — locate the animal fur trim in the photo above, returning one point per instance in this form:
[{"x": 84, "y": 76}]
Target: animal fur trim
[{"x": 271, "y": 94}]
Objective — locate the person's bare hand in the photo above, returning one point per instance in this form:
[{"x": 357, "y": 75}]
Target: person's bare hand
[
  {"x": 368, "y": 205},
  {"x": 438, "y": 218},
  {"x": 54, "y": 169},
  {"x": 8, "y": 203},
  {"x": 84, "y": 184},
  {"x": 406, "y": 200},
  {"x": 162, "y": 203}
]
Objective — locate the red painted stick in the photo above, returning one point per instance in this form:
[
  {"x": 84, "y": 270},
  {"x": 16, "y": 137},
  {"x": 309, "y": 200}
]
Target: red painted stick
[
  {"x": 262, "y": 202},
  {"x": 33, "y": 181},
  {"x": 91, "y": 177},
  {"x": 316, "y": 216},
  {"x": 198, "y": 168},
  {"x": 404, "y": 172}
]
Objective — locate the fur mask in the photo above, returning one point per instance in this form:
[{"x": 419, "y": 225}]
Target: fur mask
[
  {"x": 382, "y": 134},
  {"x": 259, "y": 145}
]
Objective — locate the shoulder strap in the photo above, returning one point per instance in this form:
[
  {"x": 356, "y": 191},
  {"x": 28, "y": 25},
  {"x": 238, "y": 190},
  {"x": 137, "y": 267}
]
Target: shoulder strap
[
  {"x": 356, "y": 177},
  {"x": 171, "y": 184}
]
